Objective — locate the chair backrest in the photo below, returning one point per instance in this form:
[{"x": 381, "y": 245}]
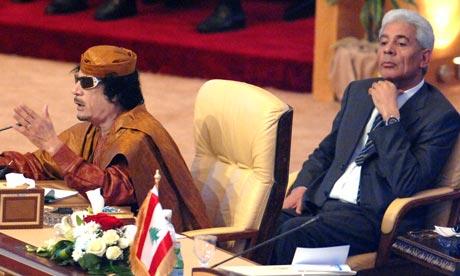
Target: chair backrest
[
  {"x": 440, "y": 214},
  {"x": 242, "y": 142},
  {"x": 450, "y": 175}
]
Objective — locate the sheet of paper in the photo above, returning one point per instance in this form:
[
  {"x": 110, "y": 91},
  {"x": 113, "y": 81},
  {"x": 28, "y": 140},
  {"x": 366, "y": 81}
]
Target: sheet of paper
[
  {"x": 14, "y": 180},
  {"x": 446, "y": 231},
  {"x": 334, "y": 255},
  {"x": 58, "y": 194},
  {"x": 289, "y": 270},
  {"x": 96, "y": 199}
]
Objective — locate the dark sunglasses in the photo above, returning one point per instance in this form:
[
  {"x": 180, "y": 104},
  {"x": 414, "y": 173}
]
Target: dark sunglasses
[{"x": 87, "y": 82}]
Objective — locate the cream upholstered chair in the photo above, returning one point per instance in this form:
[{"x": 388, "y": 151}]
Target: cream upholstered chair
[
  {"x": 241, "y": 164},
  {"x": 444, "y": 206}
]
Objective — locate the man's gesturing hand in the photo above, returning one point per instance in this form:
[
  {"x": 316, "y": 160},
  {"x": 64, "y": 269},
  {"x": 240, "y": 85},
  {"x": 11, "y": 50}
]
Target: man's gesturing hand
[
  {"x": 294, "y": 199},
  {"x": 384, "y": 95},
  {"x": 38, "y": 129}
]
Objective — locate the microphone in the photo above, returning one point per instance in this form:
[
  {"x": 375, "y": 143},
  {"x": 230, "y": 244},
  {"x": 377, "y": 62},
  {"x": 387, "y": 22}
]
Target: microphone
[
  {"x": 8, "y": 127},
  {"x": 5, "y": 128},
  {"x": 275, "y": 238}
]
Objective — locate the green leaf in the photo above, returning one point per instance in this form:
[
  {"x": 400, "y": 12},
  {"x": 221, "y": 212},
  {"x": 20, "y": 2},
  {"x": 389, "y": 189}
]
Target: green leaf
[
  {"x": 97, "y": 272},
  {"x": 90, "y": 262},
  {"x": 44, "y": 253},
  {"x": 63, "y": 252},
  {"x": 120, "y": 269},
  {"x": 364, "y": 17},
  {"x": 63, "y": 244},
  {"x": 377, "y": 19},
  {"x": 395, "y": 4},
  {"x": 80, "y": 221}
]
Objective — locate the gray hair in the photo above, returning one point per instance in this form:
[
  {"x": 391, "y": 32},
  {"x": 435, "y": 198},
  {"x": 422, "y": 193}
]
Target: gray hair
[{"x": 424, "y": 32}]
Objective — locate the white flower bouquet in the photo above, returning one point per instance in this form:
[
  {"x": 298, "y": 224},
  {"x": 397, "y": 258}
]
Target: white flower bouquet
[{"x": 97, "y": 243}]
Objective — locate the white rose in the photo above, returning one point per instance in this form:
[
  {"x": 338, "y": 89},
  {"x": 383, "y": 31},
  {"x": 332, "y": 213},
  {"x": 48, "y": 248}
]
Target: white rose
[
  {"x": 113, "y": 253},
  {"x": 64, "y": 228},
  {"x": 92, "y": 227},
  {"x": 96, "y": 247},
  {"x": 81, "y": 243},
  {"x": 124, "y": 243},
  {"x": 110, "y": 237},
  {"x": 130, "y": 232},
  {"x": 77, "y": 254}
]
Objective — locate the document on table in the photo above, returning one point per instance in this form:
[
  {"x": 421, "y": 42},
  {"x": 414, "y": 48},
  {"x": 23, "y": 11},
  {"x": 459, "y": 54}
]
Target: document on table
[
  {"x": 52, "y": 195},
  {"x": 306, "y": 261},
  {"x": 288, "y": 270},
  {"x": 332, "y": 255}
]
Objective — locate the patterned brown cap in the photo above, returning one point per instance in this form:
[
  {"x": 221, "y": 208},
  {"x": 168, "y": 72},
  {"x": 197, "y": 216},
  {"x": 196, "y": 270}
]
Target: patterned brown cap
[{"x": 102, "y": 60}]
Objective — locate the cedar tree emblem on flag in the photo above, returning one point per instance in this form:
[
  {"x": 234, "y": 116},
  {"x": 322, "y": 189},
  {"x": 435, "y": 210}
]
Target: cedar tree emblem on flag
[{"x": 153, "y": 250}]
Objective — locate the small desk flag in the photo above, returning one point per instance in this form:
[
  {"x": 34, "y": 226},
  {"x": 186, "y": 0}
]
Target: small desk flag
[{"x": 152, "y": 252}]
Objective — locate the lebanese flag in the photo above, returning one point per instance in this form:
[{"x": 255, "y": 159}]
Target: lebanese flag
[{"x": 152, "y": 252}]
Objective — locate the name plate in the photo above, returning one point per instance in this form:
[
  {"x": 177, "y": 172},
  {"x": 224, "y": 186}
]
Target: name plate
[{"x": 21, "y": 208}]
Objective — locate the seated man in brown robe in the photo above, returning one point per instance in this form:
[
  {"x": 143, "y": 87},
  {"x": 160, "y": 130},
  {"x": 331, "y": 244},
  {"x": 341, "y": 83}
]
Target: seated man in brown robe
[{"x": 118, "y": 146}]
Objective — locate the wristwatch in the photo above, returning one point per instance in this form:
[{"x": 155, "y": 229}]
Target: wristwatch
[{"x": 392, "y": 120}]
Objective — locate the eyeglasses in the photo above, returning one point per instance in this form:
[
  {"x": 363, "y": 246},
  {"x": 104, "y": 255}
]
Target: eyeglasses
[{"x": 87, "y": 82}]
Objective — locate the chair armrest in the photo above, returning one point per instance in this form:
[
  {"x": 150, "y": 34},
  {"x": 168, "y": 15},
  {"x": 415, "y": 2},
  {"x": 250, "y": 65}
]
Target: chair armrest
[
  {"x": 225, "y": 233},
  {"x": 400, "y": 206}
]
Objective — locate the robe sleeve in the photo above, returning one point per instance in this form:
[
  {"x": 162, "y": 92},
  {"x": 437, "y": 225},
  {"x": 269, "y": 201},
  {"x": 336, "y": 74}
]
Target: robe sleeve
[
  {"x": 117, "y": 187},
  {"x": 26, "y": 164}
]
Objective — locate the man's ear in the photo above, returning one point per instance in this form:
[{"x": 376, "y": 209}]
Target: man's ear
[
  {"x": 115, "y": 100},
  {"x": 426, "y": 58}
]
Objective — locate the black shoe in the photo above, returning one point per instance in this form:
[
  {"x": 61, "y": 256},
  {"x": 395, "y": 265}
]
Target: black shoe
[
  {"x": 115, "y": 9},
  {"x": 300, "y": 9},
  {"x": 222, "y": 19},
  {"x": 65, "y": 6}
]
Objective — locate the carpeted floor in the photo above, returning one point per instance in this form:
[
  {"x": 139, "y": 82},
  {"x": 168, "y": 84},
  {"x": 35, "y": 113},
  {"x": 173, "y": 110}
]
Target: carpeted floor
[
  {"x": 269, "y": 51},
  {"x": 38, "y": 82}
]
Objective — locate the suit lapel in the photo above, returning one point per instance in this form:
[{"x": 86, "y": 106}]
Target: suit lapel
[{"x": 409, "y": 111}]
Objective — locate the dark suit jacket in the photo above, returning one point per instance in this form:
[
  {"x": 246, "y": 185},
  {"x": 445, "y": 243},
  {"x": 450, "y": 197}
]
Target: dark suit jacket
[{"x": 410, "y": 154}]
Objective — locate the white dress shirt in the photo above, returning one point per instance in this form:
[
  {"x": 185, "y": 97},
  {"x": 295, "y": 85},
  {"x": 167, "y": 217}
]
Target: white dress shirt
[{"x": 346, "y": 187}]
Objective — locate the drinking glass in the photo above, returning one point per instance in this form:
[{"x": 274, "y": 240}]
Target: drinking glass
[{"x": 204, "y": 247}]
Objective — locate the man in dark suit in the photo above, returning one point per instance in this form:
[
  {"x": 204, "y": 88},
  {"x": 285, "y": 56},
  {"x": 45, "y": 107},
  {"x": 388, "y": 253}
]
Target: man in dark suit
[{"x": 390, "y": 139}]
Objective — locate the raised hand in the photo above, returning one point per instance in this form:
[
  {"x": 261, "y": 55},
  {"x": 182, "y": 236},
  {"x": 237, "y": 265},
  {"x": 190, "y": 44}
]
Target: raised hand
[
  {"x": 384, "y": 95},
  {"x": 38, "y": 129}
]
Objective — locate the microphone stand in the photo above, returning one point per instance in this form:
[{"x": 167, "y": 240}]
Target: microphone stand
[
  {"x": 5, "y": 128},
  {"x": 313, "y": 219},
  {"x": 8, "y": 127}
]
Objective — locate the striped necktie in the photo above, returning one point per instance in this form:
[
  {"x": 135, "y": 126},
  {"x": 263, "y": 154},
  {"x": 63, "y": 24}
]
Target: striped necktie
[{"x": 369, "y": 147}]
